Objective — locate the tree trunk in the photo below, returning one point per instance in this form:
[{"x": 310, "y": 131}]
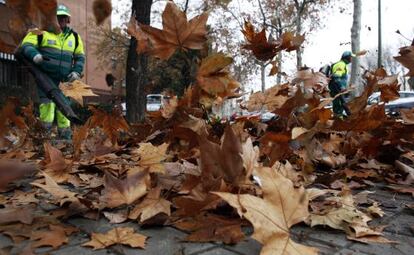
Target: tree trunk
[
  {"x": 137, "y": 65},
  {"x": 379, "y": 65},
  {"x": 263, "y": 75},
  {"x": 355, "y": 40},
  {"x": 279, "y": 65},
  {"x": 299, "y": 50}
]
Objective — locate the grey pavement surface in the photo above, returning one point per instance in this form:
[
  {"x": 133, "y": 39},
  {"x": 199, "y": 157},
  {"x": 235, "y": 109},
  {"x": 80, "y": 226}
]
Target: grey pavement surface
[{"x": 168, "y": 240}]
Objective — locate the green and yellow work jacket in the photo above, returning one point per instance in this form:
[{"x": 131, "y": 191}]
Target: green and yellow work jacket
[
  {"x": 340, "y": 74},
  {"x": 59, "y": 53}
]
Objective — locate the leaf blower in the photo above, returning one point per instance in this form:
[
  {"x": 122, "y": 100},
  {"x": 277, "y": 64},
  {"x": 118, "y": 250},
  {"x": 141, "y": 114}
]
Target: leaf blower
[{"x": 44, "y": 82}]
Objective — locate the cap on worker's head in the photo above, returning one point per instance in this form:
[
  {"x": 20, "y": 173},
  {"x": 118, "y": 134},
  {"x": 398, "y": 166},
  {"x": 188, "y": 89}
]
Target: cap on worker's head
[
  {"x": 62, "y": 10},
  {"x": 347, "y": 54}
]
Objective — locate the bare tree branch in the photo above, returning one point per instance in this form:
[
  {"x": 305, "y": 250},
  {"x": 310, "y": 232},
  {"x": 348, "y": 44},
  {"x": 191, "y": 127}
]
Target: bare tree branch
[{"x": 186, "y": 5}]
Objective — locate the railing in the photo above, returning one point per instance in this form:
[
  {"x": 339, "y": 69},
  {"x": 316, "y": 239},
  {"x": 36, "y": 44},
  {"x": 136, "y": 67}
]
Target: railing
[
  {"x": 11, "y": 74},
  {"x": 15, "y": 81}
]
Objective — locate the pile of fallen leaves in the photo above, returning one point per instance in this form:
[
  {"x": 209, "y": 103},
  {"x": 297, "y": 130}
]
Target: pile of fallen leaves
[{"x": 209, "y": 178}]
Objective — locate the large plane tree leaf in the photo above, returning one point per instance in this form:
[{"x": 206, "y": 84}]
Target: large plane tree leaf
[
  {"x": 281, "y": 207},
  {"x": 406, "y": 59},
  {"x": 125, "y": 236},
  {"x": 177, "y": 32}
]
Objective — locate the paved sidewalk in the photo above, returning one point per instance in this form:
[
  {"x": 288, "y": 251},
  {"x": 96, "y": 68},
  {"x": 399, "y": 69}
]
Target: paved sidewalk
[{"x": 167, "y": 240}]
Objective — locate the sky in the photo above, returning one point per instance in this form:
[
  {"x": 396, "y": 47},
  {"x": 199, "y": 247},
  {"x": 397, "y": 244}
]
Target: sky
[{"x": 326, "y": 44}]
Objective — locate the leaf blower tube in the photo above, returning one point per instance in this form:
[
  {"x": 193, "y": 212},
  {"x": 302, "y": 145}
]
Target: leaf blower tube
[{"x": 47, "y": 86}]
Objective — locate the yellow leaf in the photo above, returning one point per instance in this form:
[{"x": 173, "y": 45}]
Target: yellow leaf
[
  {"x": 77, "y": 90},
  {"x": 125, "y": 236},
  {"x": 151, "y": 206},
  {"x": 151, "y": 156}
]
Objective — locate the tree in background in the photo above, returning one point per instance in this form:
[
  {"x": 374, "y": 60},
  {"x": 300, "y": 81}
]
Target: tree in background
[
  {"x": 356, "y": 41},
  {"x": 306, "y": 10},
  {"x": 370, "y": 62},
  {"x": 137, "y": 67},
  {"x": 112, "y": 50},
  {"x": 277, "y": 16}
]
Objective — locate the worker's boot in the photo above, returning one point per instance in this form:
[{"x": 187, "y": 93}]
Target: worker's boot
[
  {"x": 47, "y": 127},
  {"x": 65, "y": 134},
  {"x": 339, "y": 116}
]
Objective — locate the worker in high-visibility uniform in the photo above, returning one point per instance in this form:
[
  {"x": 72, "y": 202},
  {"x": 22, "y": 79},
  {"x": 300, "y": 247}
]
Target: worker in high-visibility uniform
[
  {"x": 62, "y": 57},
  {"x": 338, "y": 84}
]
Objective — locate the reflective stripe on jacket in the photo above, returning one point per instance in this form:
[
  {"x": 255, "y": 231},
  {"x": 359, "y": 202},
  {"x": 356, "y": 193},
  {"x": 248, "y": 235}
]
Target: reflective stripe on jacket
[{"x": 59, "y": 53}]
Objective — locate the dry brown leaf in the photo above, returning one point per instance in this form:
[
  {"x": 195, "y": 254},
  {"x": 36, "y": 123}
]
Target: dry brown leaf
[
  {"x": 375, "y": 211},
  {"x": 101, "y": 9},
  {"x": 211, "y": 228},
  {"x": 311, "y": 80},
  {"x": 143, "y": 42},
  {"x": 17, "y": 214},
  {"x": 406, "y": 58},
  {"x": 177, "y": 33},
  {"x": 275, "y": 69},
  {"x": 195, "y": 124},
  {"x": 282, "y": 206},
  {"x": 17, "y": 232},
  {"x": 250, "y": 157},
  {"x": 344, "y": 216},
  {"x": 366, "y": 120},
  {"x": 290, "y": 42},
  {"x": 56, "y": 166},
  {"x": 271, "y": 99},
  {"x": 291, "y": 104},
  {"x": 258, "y": 43},
  {"x": 407, "y": 170},
  {"x": 402, "y": 189},
  {"x": 126, "y": 191},
  {"x": 151, "y": 157},
  {"x": 116, "y": 217},
  {"x": 169, "y": 107},
  {"x": 77, "y": 90},
  {"x": 112, "y": 123},
  {"x": 55, "y": 236},
  {"x": 213, "y": 77},
  {"x": 222, "y": 161},
  {"x": 23, "y": 198},
  {"x": 151, "y": 206},
  {"x": 389, "y": 88},
  {"x": 60, "y": 194},
  {"x": 361, "y": 53},
  {"x": 9, "y": 120},
  {"x": 407, "y": 116},
  {"x": 79, "y": 136},
  {"x": 12, "y": 170},
  {"x": 372, "y": 239},
  {"x": 28, "y": 14},
  {"x": 288, "y": 172},
  {"x": 126, "y": 236}
]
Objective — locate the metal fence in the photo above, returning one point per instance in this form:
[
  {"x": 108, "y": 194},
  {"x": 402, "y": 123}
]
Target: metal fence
[
  {"x": 15, "y": 81},
  {"x": 11, "y": 74}
]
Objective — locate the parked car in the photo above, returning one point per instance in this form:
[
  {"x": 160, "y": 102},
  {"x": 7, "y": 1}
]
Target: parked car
[
  {"x": 154, "y": 103},
  {"x": 262, "y": 116},
  {"x": 406, "y": 101}
]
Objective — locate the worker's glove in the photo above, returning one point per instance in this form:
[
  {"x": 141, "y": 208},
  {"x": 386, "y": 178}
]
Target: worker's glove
[
  {"x": 38, "y": 59},
  {"x": 73, "y": 76}
]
